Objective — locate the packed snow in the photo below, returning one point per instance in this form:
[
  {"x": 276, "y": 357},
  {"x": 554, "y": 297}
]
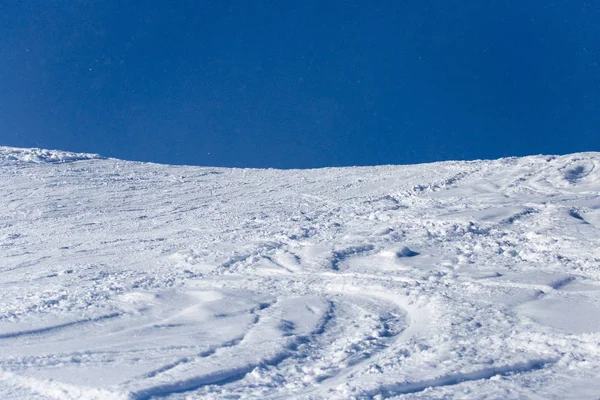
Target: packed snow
[{"x": 125, "y": 280}]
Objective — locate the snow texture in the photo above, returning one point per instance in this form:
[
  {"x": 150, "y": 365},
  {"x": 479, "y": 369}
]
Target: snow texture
[
  {"x": 125, "y": 280},
  {"x": 11, "y": 154}
]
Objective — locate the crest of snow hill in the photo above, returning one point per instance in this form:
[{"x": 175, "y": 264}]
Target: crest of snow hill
[{"x": 12, "y": 154}]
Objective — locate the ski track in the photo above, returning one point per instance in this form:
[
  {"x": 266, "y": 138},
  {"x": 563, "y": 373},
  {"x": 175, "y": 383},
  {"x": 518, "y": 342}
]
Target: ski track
[
  {"x": 392, "y": 390},
  {"x": 54, "y": 328},
  {"x": 449, "y": 280}
]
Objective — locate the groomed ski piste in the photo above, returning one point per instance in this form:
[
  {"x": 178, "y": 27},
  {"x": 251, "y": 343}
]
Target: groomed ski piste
[{"x": 457, "y": 280}]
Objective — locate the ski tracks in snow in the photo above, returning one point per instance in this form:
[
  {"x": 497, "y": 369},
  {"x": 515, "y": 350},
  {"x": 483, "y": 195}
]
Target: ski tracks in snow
[{"x": 137, "y": 281}]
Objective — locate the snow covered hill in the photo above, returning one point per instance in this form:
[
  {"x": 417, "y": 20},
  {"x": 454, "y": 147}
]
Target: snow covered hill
[{"x": 450, "y": 280}]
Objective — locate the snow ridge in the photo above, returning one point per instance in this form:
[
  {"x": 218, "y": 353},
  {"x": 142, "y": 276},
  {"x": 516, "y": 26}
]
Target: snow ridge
[{"x": 34, "y": 155}]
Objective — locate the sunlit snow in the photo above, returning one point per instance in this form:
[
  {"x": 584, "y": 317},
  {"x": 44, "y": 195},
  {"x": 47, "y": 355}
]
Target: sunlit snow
[{"x": 450, "y": 280}]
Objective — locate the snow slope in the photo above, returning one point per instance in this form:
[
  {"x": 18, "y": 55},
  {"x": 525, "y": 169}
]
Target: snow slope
[{"x": 450, "y": 280}]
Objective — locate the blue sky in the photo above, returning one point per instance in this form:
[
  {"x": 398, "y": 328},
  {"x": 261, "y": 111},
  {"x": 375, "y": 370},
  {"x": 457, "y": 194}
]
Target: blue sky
[{"x": 301, "y": 84}]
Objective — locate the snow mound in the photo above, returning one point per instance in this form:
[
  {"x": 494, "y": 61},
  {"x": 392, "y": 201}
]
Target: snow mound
[{"x": 40, "y": 156}]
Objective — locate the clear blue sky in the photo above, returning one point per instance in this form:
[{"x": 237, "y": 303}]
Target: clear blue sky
[{"x": 301, "y": 83}]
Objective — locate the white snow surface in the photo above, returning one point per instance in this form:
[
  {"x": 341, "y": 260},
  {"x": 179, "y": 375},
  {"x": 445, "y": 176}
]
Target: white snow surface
[
  {"x": 11, "y": 154},
  {"x": 126, "y": 280}
]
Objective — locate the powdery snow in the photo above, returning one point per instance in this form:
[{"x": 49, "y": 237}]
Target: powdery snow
[
  {"x": 450, "y": 280},
  {"x": 11, "y": 154}
]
